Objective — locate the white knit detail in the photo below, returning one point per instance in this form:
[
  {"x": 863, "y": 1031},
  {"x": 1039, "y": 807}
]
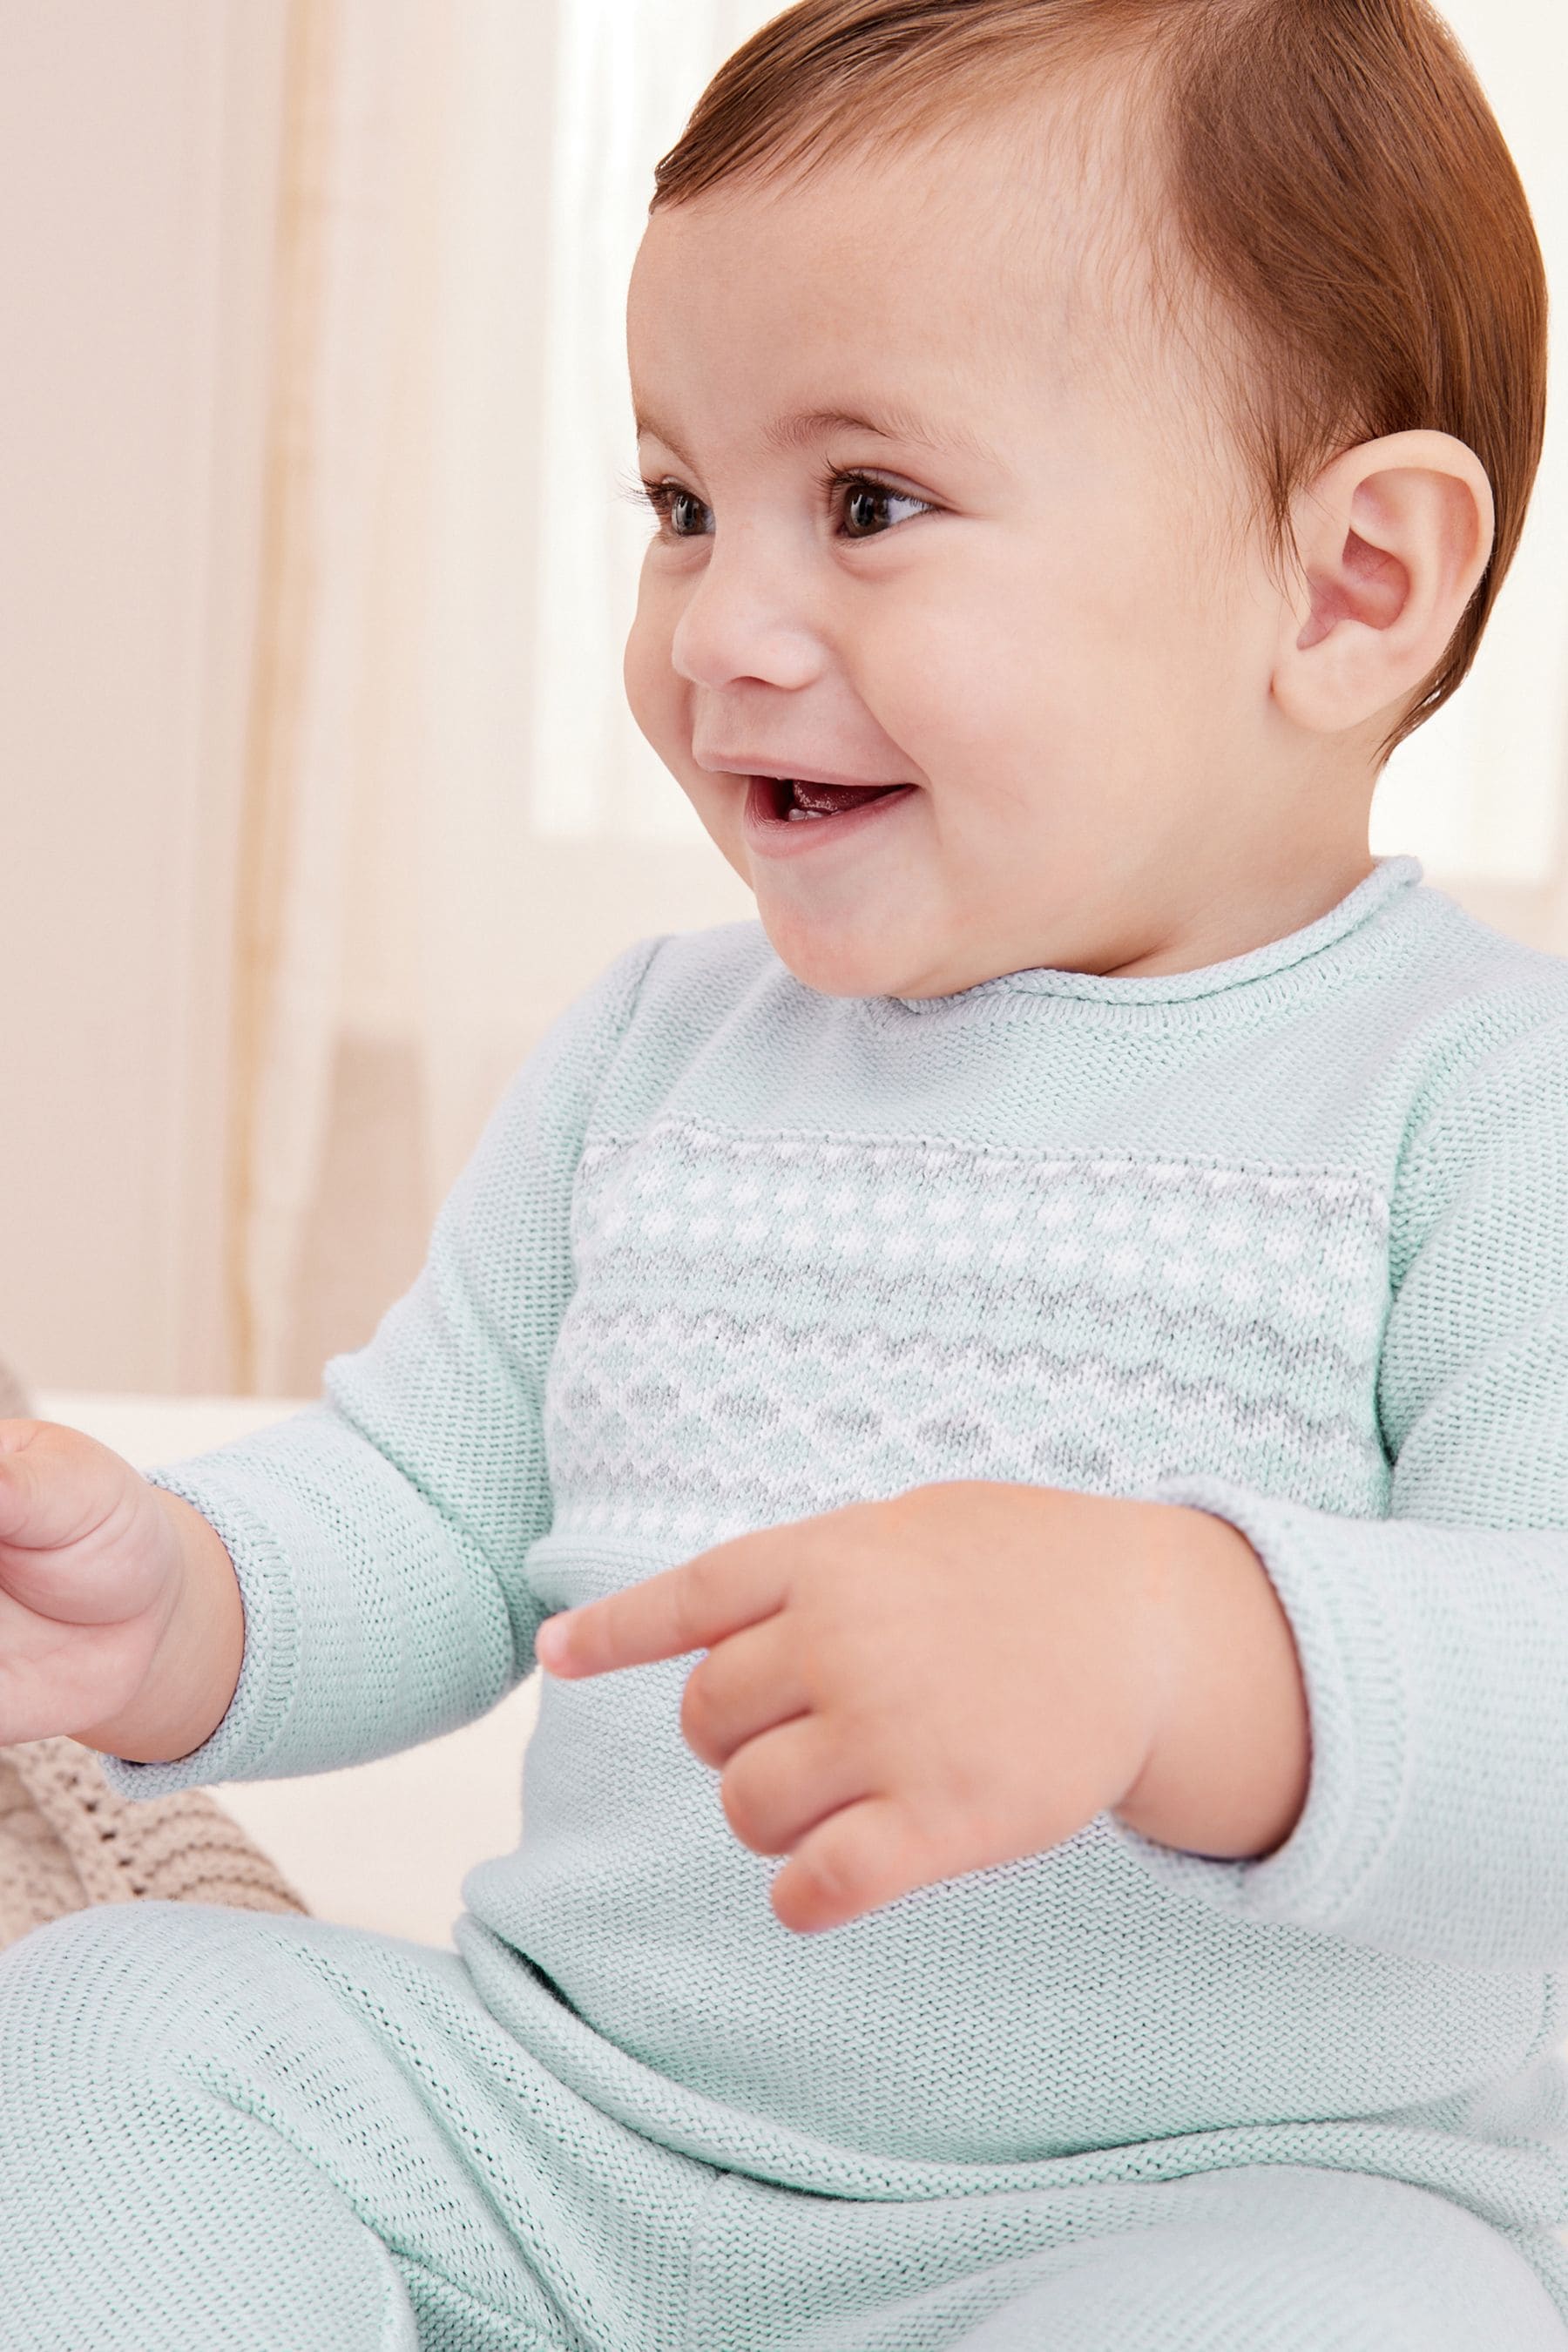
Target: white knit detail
[{"x": 767, "y": 1326}]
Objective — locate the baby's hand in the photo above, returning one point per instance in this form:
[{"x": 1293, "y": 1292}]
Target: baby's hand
[
  {"x": 91, "y": 1574},
  {"x": 900, "y": 1692}
]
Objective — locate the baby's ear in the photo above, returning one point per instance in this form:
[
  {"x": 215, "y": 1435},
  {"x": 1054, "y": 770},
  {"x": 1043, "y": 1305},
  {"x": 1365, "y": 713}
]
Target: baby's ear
[{"x": 1393, "y": 539}]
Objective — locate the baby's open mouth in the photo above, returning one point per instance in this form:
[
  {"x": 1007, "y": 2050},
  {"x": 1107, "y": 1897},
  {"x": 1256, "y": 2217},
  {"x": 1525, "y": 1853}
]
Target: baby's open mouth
[
  {"x": 795, "y": 801},
  {"x": 786, "y": 814}
]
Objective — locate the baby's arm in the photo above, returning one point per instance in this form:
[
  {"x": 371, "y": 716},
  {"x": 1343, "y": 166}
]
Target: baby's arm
[
  {"x": 378, "y": 1535},
  {"x": 1434, "y": 1644}
]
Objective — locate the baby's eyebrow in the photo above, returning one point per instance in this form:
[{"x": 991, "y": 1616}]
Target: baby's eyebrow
[
  {"x": 804, "y": 426},
  {"x": 649, "y": 428},
  {"x": 890, "y": 423}
]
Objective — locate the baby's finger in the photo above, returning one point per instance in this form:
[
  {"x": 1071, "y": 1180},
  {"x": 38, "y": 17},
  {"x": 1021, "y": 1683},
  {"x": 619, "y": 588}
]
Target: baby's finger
[
  {"x": 777, "y": 1790},
  {"x": 51, "y": 1484},
  {"x": 682, "y": 1609},
  {"x": 744, "y": 1684},
  {"x": 856, "y": 1861}
]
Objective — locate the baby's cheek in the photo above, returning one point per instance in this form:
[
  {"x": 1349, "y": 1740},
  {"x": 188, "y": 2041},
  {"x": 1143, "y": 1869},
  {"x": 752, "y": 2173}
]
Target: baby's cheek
[
  {"x": 978, "y": 671},
  {"x": 653, "y": 690}
]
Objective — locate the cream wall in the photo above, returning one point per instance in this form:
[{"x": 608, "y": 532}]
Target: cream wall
[{"x": 137, "y": 144}]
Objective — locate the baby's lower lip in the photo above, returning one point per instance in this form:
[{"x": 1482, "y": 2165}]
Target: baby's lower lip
[{"x": 776, "y": 836}]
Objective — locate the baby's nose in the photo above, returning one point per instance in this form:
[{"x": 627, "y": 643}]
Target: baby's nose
[{"x": 741, "y": 623}]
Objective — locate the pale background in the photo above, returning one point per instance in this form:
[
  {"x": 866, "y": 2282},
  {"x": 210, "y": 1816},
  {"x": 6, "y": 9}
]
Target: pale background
[{"x": 320, "y": 795}]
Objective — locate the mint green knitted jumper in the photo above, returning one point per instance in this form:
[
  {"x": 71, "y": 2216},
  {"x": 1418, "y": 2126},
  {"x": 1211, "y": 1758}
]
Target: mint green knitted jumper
[{"x": 1286, "y": 1238}]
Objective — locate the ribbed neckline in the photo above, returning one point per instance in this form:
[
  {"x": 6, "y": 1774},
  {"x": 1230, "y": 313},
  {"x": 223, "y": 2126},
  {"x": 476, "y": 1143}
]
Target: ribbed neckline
[{"x": 1388, "y": 878}]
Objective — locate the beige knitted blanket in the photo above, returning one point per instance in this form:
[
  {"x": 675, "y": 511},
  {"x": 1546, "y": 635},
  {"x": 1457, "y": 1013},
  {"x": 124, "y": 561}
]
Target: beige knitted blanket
[{"x": 69, "y": 1840}]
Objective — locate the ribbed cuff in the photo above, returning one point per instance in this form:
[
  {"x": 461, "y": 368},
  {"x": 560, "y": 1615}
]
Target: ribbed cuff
[
  {"x": 238, "y": 1747},
  {"x": 1357, "y": 1705}
]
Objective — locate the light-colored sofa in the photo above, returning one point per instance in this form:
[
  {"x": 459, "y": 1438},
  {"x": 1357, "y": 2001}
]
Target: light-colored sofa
[{"x": 380, "y": 1845}]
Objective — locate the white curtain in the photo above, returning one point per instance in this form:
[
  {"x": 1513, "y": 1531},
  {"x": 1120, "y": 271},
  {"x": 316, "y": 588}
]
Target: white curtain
[
  {"x": 626, "y": 76},
  {"x": 434, "y": 853},
  {"x": 315, "y": 684},
  {"x": 452, "y": 822},
  {"x": 543, "y": 812}
]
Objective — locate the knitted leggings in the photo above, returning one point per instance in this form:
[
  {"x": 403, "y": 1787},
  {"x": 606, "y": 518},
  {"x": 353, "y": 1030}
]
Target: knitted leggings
[{"x": 230, "y": 2128}]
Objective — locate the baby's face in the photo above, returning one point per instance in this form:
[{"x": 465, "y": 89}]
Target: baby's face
[{"x": 941, "y": 512}]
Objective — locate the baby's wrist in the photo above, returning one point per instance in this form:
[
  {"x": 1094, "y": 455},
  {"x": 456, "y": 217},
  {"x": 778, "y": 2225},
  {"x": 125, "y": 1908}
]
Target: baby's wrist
[{"x": 1229, "y": 1758}]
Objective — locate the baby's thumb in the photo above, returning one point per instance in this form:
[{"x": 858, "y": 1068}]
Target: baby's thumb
[{"x": 56, "y": 1484}]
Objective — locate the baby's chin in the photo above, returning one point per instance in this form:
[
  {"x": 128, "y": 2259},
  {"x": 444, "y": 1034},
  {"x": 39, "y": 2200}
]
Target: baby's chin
[{"x": 853, "y": 956}]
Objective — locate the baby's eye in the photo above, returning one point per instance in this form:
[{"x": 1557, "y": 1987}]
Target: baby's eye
[
  {"x": 679, "y": 512},
  {"x": 867, "y": 506}
]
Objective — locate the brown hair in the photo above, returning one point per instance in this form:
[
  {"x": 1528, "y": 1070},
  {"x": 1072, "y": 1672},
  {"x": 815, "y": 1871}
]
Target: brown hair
[{"x": 1332, "y": 169}]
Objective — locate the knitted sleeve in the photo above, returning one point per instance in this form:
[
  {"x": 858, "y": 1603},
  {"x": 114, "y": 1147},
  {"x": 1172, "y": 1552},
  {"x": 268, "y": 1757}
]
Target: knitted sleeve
[
  {"x": 1434, "y": 1642},
  {"x": 379, "y": 1535}
]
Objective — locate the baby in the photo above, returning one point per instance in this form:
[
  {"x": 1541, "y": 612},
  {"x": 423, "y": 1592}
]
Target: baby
[{"x": 1020, "y": 1400}]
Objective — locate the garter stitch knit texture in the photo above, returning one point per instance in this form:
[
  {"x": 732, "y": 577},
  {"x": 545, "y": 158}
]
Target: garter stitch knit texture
[{"x": 1287, "y": 1239}]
